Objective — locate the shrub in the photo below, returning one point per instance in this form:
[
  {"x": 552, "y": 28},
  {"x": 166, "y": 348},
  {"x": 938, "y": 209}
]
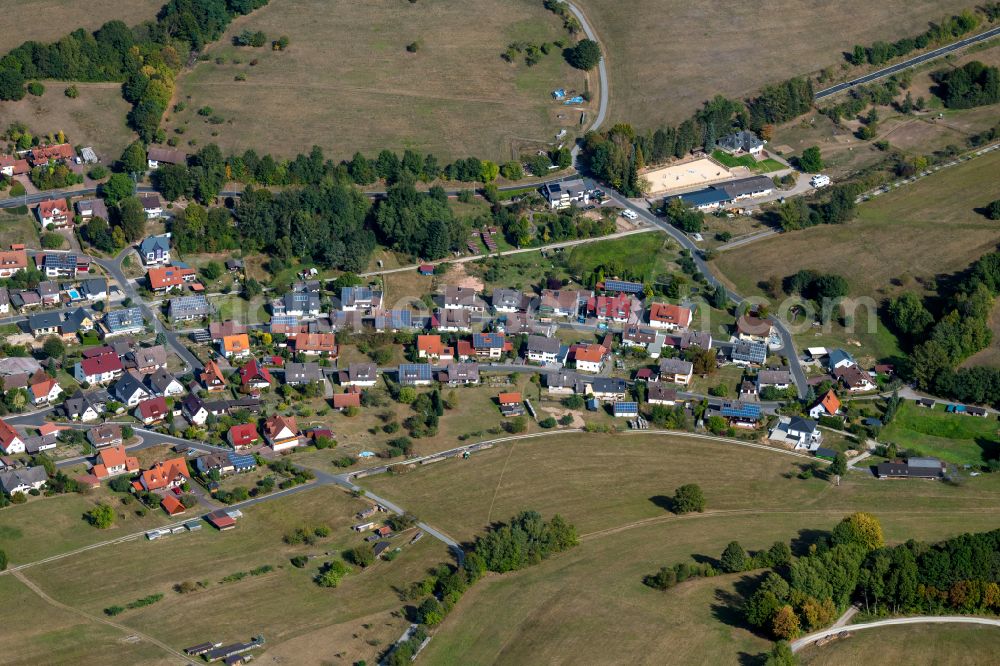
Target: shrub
[
  {"x": 36, "y": 89},
  {"x": 71, "y": 92},
  {"x": 361, "y": 555},
  {"x": 549, "y": 422},
  {"x": 332, "y": 573},
  {"x": 300, "y": 561},
  {"x": 585, "y": 55}
]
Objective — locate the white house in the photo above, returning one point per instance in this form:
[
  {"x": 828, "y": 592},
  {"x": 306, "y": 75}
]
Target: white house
[
  {"x": 676, "y": 370},
  {"x": 22, "y": 480},
  {"x": 542, "y": 349},
  {"x": 98, "y": 369},
  {"x": 10, "y": 441},
  {"x": 281, "y": 432},
  {"x": 804, "y": 432}
]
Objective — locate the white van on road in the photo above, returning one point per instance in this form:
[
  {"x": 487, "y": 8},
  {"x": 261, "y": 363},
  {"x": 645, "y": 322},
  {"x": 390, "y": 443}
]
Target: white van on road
[{"x": 630, "y": 214}]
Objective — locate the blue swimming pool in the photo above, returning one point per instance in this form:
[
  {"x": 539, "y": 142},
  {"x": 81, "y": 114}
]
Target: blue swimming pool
[{"x": 73, "y": 294}]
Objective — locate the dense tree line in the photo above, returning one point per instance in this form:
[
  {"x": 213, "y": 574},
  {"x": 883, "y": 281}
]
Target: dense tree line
[
  {"x": 419, "y": 224},
  {"x": 525, "y": 540},
  {"x": 616, "y": 155},
  {"x": 881, "y": 52},
  {"x": 973, "y": 84},
  {"x": 959, "y": 575},
  {"x": 960, "y": 329}
]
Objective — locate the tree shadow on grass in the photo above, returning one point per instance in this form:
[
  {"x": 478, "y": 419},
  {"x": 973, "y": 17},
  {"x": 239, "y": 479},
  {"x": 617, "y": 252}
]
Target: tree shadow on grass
[
  {"x": 990, "y": 448},
  {"x": 805, "y": 538},
  {"x": 664, "y": 502}
]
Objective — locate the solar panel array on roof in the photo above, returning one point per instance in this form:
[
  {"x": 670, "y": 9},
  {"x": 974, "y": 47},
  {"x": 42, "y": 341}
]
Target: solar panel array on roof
[
  {"x": 415, "y": 371},
  {"x": 741, "y": 410},
  {"x": 623, "y": 286},
  {"x": 626, "y": 408},
  {"x": 241, "y": 460}
]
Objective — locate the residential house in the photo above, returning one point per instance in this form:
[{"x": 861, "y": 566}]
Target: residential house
[
  {"x": 658, "y": 393},
  {"x": 62, "y": 265},
  {"x": 45, "y": 323},
  {"x": 98, "y": 369},
  {"x": 220, "y": 330},
  {"x": 48, "y": 292},
  {"x": 510, "y": 404},
  {"x": 254, "y": 375},
  {"x": 618, "y": 308},
  {"x": 855, "y": 379},
  {"x": 694, "y": 339},
  {"x": 459, "y": 374},
  {"x": 12, "y": 261},
  {"x": 151, "y": 205},
  {"x": 415, "y": 374},
  {"x": 395, "y": 320},
  {"x": 187, "y": 308},
  {"x": 509, "y": 300},
  {"x": 85, "y": 406},
  {"x": 77, "y": 321},
  {"x": 561, "y": 383},
  {"x": 281, "y": 432},
  {"x": 589, "y": 357},
  {"x": 462, "y": 298},
  {"x": 235, "y": 346},
  {"x": 743, "y": 142},
  {"x": 155, "y": 250},
  {"x": 741, "y": 414},
  {"x": 11, "y": 166},
  {"x": 622, "y": 287},
  {"x": 562, "y": 302},
  {"x": 489, "y": 345},
  {"x": 804, "y": 432},
  {"x": 214, "y": 462},
  {"x": 60, "y": 152},
  {"x": 23, "y": 479},
  {"x": 55, "y": 212},
  {"x": 669, "y": 317},
  {"x": 147, "y": 360},
  {"x": 43, "y": 389},
  {"x": 10, "y": 441},
  {"x": 165, "y": 278},
  {"x": 625, "y": 409},
  {"x": 114, "y": 461},
  {"x": 165, "y": 475},
  {"x": 636, "y": 335},
  {"x": 912, "y": 468},
  {"x": 676, "y": 371},
  {"x": 212, "y": 378},
  {"x": 543, "y": 350},
  {"x": 313, "y": 344},
  {"x": 105, "y": 435},
  {"x": 748, "y": 353},
  {"x": 342, "y": 401},
  {"x": 454, "y": 321},
  {"x": 779, "y": 379},
  {"x": 303, "y": 373},
  {"x": 24, "y": 299},
  {"x": 194, "y": 410},
  {"x": 163, "y": 384},
  {"x": 354, "y": 299},
  {"x": 300, "y": 302},
  {"x": 753, "y": 328},
  {"x": 129, "y": 390},
  {"x": 128, "y": 321},
  {"x": 838, "y": 358},
  {"x": 609, "y": 389},
  {"x": 828, "y": 405},
  {"x": 156, "y": 155},
  {"x": 243, "y": 436},
  {"x": 565, "y": 193},
  {"x": 88, "y": 209},
  {"x": 152, "y": 410},
  {"x": 359, "y": 374}
]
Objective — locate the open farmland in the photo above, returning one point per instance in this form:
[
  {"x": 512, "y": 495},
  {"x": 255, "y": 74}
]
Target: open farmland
[
  {"x": 95, "y": 118},
  {"x": 347, "y": 82},
  {"x": 915, "y": 645},
  {"x": 666, "y": 57},
  {"x": 589, "y": 604},
  {"x": 49, "y": 20},
  {"x": 903, "y": 239},
  {"x": 957, "y": 438},
  {"x": 283, "y": 604}
]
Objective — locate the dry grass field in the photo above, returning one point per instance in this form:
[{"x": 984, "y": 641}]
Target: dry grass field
[
  {"x": 347, "y": 82},
  {"x": 301, "y": 621},
  {"x": 898, "y": 240},
  {"x": 49, "y": 20},
  {"x": 589, "y": 604},
  {"x": 919, "y": 645},
  {"x": 95, "y": 118},
  {"x": 666, "y": 57}
]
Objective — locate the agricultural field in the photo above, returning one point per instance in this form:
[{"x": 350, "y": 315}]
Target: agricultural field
[
  {"x": 228, "y": 607},
  {"x": 347, "y": 82},
  {"x": 95, "y": 118},
  {"x": 916, "y": 645},
  {"x": 957, "y": 438},
  {"x": 49, "y": 20},
  {"x": 589, "y": 603},
  {"x": 662, "y": 70}
]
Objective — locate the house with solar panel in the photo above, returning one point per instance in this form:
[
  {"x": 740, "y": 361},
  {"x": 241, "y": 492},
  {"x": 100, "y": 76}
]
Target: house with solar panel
[
  {"x": 353, "y": 299},
  {"x": 626, "y": 409},
  {"x": 415, "y": 374},
  {"x": 741, "y": 414},
  {"x": 748, "y": 353},
  {"x": 394, "y": 320},
  {"x": 565, "y": 193},
  {"x": 621, "y": 287}
]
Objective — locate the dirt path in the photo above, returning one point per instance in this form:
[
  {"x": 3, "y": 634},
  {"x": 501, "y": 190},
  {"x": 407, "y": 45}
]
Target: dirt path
[{"x": 94, "y": 618}]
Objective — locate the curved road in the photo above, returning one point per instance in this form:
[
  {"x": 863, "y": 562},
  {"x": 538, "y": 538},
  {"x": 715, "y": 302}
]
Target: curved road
[
  {"x": 930, "y": 619},
  {"x": 930, "y": 55},
  {"x": 602, "y": 72}
]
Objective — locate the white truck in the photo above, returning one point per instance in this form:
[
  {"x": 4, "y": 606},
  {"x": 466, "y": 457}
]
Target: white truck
[
  {"x": 819, "y": 180},
  {"x": 630, "y": 214}
]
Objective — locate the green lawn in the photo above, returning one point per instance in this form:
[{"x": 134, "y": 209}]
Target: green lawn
[
  {"x": 768, "y": 165},
  {"x": 732, "y": 161},
  {"x": 957, "y": 438},
  {"x": 916, "y": 645},
  {"x": 642, "y": 254}
]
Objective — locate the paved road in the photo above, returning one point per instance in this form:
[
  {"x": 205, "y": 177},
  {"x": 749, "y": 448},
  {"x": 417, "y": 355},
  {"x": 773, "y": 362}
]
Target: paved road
[
  {"x": 788, "y": 345},
  {"x": 930, "y": 619},
  {"x": 886, "y": 71},
  {"x": 602, "y": 72}
]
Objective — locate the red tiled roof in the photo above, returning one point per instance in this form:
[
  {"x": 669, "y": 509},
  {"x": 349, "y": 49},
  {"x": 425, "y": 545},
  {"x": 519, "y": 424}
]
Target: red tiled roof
[
  {"x": 668, "y": 313},
  {"x": 7, "y": 434},
  {"x": 589, "y": 353},
  {"x": 243, "y": 435},
  {"x": 254, "y": 371},
  {"x": 100, "y": 364},
  {"x": 341, "y": 400},
  {"x": 154, "y": 408},
  {"x": 163, "y": 473},
  {"x": 275, "y": 424},
  {"x": 53, "y": 206},
  {"x": 172, "y": 505},
  {"x": 321, "y": 342},
  {"x": 509, "y": 398},
  {"x": 13, "y": 259},
  {"x": 162, "y": 277}
]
